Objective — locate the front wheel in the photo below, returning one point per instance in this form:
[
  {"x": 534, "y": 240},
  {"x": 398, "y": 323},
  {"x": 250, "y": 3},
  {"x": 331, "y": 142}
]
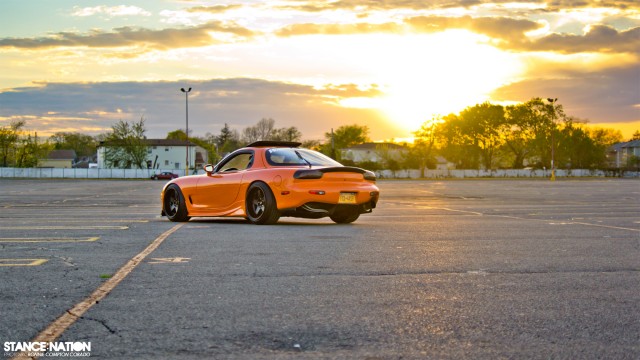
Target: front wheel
[
  {"x": 260, "y": 205},
  {"x": 174, "y": 204},
  {"x": 345, "y": 216}
]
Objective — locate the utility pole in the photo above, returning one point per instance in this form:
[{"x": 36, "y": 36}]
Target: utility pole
[
  {"x": 553, "y": 131},
  {"x": 186, "y": 99}
]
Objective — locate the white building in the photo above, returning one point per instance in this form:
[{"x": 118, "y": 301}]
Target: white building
[
  {"x": 620, "y": 154},
  {"x": 374, "y": 152},
  {"x": 166, "y": 154}
]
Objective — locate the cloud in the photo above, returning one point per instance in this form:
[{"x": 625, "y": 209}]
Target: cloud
[
  {"x": 337, "y": 29},
  {"x": 604, "y": 96},
  {"x": 377, "y": 5},
  {"x": 598, "y": 38},
  {"x": 505, "y": 33},
  {"x": 564, "y": 4},
  {"x": 121, "y": 10},
  {"x": 162, "y": 39},
  {"x": 215, "y": 9},
  {"x": 240, "y": 102},
  {"x": 511, "y": 30}
]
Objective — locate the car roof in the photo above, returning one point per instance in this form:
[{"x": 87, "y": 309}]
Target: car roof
[{"x": 264, "y": 143}]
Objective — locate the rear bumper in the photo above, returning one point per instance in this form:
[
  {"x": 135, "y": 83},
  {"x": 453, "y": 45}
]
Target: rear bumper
[
  {"x": 317, "y": 210},
  {"x": 297, "y": 194}
]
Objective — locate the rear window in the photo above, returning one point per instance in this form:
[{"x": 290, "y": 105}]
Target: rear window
[{"x": 298, "y": 157}]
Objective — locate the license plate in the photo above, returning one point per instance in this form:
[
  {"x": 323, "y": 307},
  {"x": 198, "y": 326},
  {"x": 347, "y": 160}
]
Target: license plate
[{"x": 347, "y": 198}]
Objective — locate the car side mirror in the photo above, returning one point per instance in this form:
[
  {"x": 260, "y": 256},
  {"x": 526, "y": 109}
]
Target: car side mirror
[{"x": 208, "y": 168}]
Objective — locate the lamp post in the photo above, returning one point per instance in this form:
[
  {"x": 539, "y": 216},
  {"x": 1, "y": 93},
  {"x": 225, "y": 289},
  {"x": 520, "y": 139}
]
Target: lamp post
[
  {"x": 553, "y": 144},
  {"x": 186, "y": 100}
]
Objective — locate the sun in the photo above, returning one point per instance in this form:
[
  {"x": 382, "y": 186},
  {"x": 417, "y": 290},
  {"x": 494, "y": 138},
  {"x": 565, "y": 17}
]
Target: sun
[{"x": 426, "y": 75}]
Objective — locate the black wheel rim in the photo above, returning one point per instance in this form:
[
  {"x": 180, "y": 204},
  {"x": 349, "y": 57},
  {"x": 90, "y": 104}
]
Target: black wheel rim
[
  {"x": 257, "y": 200},
  {"x": 173, "y": 203}
]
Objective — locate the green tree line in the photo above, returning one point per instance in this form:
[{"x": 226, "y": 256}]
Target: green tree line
[
  {"x": 483, "y": 136},
  {"x": 533, "y": 134}
]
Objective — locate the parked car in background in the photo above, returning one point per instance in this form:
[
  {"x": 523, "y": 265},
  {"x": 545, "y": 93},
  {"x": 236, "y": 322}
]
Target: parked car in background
[
  {"x": 267, "y": 180},
  {"x": 165, "y": 175}
]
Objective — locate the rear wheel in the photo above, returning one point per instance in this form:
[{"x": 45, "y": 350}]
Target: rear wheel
[
  {"x": 174, "y": 205},
  {"x": 345, "y": 216},
  {"x": 261, "y": 205}
]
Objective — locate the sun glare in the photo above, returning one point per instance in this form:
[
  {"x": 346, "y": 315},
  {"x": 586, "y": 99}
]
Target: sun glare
[{"x": 427, "y": 75}]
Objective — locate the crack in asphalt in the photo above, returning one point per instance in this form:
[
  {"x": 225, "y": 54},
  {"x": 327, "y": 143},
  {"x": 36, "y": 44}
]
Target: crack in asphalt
[{"x": 103, "y": 323}]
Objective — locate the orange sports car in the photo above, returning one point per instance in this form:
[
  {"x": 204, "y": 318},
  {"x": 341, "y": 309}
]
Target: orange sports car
[{"x": 267, "y": 180}]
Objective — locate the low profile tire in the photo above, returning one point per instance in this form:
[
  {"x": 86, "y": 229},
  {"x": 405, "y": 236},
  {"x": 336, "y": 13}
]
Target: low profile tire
[
  {"x": 261, "y": 205},
  {"x": 174, "y": 205},
  {"x": 345, "y": 216}
]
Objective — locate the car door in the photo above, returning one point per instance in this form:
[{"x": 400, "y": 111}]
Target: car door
[{"x": 217, "y": 191}]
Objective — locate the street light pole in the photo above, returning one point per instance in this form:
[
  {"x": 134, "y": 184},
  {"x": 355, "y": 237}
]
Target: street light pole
[
  {"x": 553, "y": 144},
  {"x": 186, "y": 100}
]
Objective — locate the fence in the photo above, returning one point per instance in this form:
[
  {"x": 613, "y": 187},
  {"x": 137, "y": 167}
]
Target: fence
[
  {"x": 502, "y": 173},
  {"x": 60, "y": 173}
]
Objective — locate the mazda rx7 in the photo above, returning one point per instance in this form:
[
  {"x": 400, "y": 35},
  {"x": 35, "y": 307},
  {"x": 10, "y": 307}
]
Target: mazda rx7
[{"x": 267, "y": 180}]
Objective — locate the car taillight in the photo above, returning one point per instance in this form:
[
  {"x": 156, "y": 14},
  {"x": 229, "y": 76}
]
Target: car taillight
[
  {"x": 307, "y": 174},
  {"x": 369, "y": 175}
]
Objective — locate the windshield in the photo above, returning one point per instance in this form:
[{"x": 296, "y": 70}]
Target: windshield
[{"x": 297, "y": 157}]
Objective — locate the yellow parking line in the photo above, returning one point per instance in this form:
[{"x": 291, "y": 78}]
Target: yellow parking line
[
  {"x": 22, "y": 262},
  {"x": 69, "y": 317},
  {"x": 47, "y": 240},
  {"x": 81, "y": 227}
]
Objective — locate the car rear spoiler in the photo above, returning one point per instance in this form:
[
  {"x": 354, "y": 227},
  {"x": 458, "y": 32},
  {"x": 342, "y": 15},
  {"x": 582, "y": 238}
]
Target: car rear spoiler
[{"x": 317, "y": 173}]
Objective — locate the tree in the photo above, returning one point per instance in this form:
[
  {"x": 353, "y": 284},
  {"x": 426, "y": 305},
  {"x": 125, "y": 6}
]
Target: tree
[
  {"x": 457, "y": 146},
  {"x": 533, "y": 129},
  {"x": 83, "y": 145},
  {"x": 286, "y": 134},
  {"x": 9, "y": 136},
  {"x": 178, "y": 134},
  {"x": 636, "y": 135},
  {"x": 519, "y": 126},
  {"x": 421, "y": 153},
  {"x": 126, "y": 146},
  {"x": 344, "y": 137},
  {"x": 30, "y": 151},
  {"x": 227, "y": 141},
  {"x": 585, "y": 148},
  {"x": 483, "y": 124},
  {"x": 261, "y": 131}
]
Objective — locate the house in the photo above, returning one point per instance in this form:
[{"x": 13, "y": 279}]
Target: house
[
  {"x": 619, "y": 155},
  {"x": 374, "y": 152},
  {"x": 166, "y": 154},
  {"x": 58, "y": 159},
  {"x": 444, "y": 164}
]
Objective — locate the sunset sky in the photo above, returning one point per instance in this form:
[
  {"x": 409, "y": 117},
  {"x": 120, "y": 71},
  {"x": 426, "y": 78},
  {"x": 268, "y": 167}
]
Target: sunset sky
[{"x": 391, "y": 65}]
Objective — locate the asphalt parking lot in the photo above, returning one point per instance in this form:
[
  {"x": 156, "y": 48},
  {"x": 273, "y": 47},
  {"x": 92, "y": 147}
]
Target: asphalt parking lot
[{"x": 478, "y": 269}]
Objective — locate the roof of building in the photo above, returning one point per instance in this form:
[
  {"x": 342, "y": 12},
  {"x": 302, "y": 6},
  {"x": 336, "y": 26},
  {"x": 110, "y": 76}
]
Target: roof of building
[
  {"x": 628, "y": 144},
  {"x": 161, "y": 142},
  {"x": 62, "y": 155},
  {"x": 168, "y": 142},
  {"x": 376, "y": 146}
]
